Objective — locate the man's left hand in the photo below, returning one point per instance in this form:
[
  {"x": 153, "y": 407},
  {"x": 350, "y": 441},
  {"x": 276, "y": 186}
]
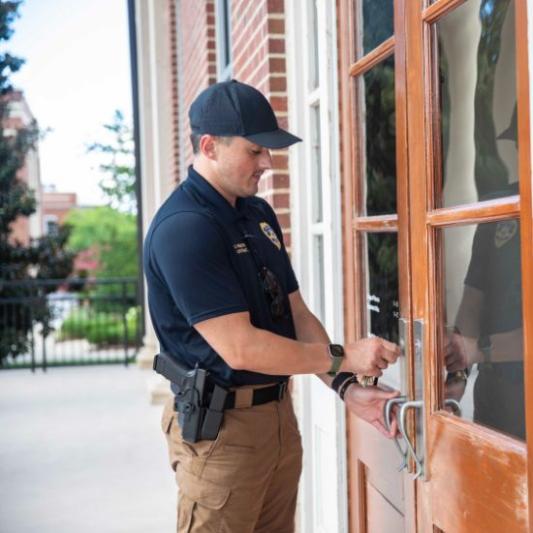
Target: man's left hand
[{"x": 368, "y": 403}]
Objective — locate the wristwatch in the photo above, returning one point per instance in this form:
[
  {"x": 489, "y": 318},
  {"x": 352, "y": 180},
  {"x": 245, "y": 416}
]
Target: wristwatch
[{"x": 336, "y": 352}]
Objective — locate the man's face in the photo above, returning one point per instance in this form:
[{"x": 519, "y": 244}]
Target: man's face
[{"x": 240, "y": 165}]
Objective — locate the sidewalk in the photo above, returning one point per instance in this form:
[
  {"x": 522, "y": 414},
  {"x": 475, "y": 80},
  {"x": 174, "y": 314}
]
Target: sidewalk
[{"x": 81, "y": 450}]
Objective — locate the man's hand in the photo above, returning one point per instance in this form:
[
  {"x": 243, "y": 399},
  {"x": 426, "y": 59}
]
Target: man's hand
[
  {"x": 455, "y": 353},
  {"x": 370, "y": 356},
  {"x": 368, "y": 403}
]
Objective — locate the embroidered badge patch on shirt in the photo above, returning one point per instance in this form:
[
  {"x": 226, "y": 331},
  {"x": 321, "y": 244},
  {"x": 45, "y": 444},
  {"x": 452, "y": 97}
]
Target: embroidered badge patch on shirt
[
  {"x": 505, "y": 231},
  {"x": 271, "y": 234}
]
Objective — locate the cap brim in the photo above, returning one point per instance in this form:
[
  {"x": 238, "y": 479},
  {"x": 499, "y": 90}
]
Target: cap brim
[{"x": 274, "y": 139}]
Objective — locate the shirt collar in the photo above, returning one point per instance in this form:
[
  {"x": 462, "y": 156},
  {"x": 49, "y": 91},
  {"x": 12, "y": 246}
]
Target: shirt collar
[{"x": 214, "y": 199}]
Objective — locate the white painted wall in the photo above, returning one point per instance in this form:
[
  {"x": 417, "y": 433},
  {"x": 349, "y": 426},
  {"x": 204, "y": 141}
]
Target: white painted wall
[{"x": 155, "y": 105}]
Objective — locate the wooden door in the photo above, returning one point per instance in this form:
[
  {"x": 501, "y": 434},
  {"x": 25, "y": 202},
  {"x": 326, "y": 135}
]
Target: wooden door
[
  {"x": 470, "y": 208},
  {"x": 376, "y": 243},
  {"x": 439, "y": 188}
]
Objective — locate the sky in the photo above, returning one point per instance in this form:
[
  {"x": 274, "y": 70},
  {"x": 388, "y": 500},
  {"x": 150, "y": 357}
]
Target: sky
[{"x": 77, "y": 72}]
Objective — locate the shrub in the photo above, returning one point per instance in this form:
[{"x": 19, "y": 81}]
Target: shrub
[{"x": 101, "y": 329}]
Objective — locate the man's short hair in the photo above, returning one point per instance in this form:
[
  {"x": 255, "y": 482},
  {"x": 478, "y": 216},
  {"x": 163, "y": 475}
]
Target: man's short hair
[{"x": 195, "y": 141}]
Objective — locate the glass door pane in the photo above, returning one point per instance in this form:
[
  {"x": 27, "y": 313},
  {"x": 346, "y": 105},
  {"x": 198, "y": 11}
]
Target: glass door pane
[
  {"x": 382, "y": 295},
  {"x": 481, "y": 334},
  {"x": 377, "y": 22},
  {"x": 477, "y": 86},
  {"x": 378, "y": 142}
]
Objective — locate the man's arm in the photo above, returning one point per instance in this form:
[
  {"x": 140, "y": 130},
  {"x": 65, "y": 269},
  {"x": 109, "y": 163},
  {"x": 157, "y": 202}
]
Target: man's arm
[
  {"x": 245, "y": 347},
  {"x": 308, "y": 327},
  {"x": 366, "y": 403}
]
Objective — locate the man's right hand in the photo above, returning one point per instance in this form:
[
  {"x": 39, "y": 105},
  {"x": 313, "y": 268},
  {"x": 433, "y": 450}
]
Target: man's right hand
[{"x": 370, "y": 356}]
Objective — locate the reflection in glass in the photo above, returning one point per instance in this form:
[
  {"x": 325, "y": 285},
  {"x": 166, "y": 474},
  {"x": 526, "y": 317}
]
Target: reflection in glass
[
  {"x": 378, "y": 23},
  {"x": 382, "y": 293},
  {"x": 319, "y": 292},
  {"x": 316, "y": 165},
  {"x": 379, "y": 119},
  {"x": 477, "y": 74},
  {"x": 482, "y": 337},
  {"x": 314, "y": 70}
]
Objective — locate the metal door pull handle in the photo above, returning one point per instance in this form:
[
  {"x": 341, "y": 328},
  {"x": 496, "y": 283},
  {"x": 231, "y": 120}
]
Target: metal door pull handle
[
  {"x": 386, "y": 415},
  {"x": 418, "y": 404}
]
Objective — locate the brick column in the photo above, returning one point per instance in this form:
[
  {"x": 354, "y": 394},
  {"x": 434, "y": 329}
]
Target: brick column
[
  {"x": 174, "y": 88},
  {"x": 196, "y": 24},
  {"x": 258, "y": 46}
]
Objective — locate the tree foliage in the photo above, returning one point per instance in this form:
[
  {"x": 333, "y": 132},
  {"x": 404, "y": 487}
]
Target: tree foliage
[
  {"x": 111, "y": 234},
  {"x": 118, "y": 185},
  {"x": 41, "y": 258}
]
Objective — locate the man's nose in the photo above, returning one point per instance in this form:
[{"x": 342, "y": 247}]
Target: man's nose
[{"x": 265, "y": 159}]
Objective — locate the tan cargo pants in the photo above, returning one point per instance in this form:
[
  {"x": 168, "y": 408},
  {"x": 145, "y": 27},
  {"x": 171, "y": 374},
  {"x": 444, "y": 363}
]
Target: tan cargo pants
[{"x": 245, "y": 481}]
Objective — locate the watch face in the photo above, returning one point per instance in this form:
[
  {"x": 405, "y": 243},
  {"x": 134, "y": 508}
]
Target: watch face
[{"x": 336, "y": 350}]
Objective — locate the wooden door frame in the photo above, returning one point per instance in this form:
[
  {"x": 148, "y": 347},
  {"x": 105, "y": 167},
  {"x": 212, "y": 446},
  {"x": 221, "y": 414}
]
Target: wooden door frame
[{"x": 526, "y": 217}]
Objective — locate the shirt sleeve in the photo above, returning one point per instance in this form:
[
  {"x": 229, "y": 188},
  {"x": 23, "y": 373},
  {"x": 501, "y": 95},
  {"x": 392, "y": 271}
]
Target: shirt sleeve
[
  {"x": 188, "y": 253},
  {"x": 477, "y": 273}
]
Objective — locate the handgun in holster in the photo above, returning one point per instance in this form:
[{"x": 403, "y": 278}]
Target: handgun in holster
[{"x": 199, "y": 401}]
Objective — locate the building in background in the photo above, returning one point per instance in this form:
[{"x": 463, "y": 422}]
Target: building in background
[
  {"x": 402, "y": 107},
  {"x": 55, "y": 207},
  {"x": 20, "y": 116}
]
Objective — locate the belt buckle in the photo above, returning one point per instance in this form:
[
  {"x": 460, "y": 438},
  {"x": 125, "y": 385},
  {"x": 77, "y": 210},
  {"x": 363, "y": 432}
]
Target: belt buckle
[{"x": 281, "y": 390}]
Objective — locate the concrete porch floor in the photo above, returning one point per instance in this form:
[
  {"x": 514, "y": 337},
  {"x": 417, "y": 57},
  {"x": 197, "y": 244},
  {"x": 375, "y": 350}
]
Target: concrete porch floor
[{"x": 81, "y": 450}]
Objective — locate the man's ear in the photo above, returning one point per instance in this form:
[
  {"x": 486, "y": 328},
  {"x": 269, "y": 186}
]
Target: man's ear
[{"x": 208, "y": 146}]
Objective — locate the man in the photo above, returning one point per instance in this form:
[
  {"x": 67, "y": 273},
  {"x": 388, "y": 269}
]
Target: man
[
  {"x": 488, "y": 329},
  {"x": 223, "y": 295}
]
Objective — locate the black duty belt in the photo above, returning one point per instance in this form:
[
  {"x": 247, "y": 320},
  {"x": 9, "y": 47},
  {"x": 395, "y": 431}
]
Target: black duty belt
[{"x": 248, "y": 397}]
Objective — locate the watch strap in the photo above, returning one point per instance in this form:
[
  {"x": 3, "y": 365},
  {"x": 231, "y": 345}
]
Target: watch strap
[{"x": 336, "y": 360}]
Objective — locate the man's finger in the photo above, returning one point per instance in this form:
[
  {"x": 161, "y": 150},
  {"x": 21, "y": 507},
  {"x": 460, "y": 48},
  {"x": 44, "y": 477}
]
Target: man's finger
[
  {"x": 390, "y": 346},
  {"x": 389, "y": 354},
  {"x": 382, "y": 363},
  {"x": 381, "y": 394},
  {"x": 393, "y": 428},
  {"x": 382, "y": 429},
  {"x": 374, "y": 372}
]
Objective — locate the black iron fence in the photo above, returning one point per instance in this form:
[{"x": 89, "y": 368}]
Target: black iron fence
[{"x": 69, "y": 322}]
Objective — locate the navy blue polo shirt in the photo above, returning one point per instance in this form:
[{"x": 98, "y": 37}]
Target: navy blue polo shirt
[{"x": 198, "y": 265}]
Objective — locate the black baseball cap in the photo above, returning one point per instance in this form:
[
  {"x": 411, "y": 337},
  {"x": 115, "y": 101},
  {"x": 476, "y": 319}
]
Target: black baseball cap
[{"x": 232, "y": 108}]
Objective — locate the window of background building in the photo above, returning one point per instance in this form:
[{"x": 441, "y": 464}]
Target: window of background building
[
  {"x": 51, "y": 225},
  {"x": 224, "y": 58}
]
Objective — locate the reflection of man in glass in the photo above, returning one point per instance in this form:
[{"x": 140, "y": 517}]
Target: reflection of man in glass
[{"x": 488, "y": 327}]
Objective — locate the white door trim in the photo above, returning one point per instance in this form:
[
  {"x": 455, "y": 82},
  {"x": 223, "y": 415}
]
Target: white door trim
[{"x": 312, "y": 396}]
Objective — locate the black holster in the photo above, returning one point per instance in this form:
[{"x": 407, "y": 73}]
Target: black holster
[{"x": 200, "y": 401}]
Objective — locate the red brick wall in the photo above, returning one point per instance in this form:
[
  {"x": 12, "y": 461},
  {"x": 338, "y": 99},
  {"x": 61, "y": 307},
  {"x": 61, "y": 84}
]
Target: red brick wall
[
  {"x": 171, "y": 6},
  {"x": 20, "y": 227},
  {"x": 258, "y": 51},
  {"x": 258, "y": 47},
  {"x": 196, "y": 22}
]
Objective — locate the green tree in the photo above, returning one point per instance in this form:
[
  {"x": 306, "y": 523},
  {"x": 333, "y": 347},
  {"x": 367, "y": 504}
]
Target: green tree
[
  {"x": 118, "y": 184},
  {"x": 111, "y": 234},
  {"x": 42, "y": 258}
]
